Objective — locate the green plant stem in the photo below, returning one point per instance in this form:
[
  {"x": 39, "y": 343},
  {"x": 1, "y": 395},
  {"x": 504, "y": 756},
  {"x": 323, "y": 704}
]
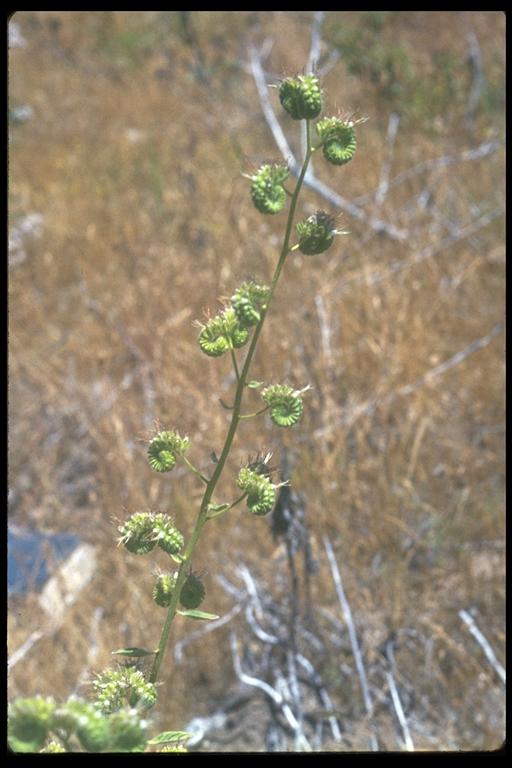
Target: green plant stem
[
  {"x": 256, "y": 413},
  {"x": 195, "y": 470},
  {"x": 235, "y": 419},
  {"x": 235, "y": 365}
]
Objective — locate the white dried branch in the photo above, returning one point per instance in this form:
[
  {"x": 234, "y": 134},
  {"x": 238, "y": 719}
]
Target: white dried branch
[
  {"x": 325, "y": 328},
  {"x": 301, "y": 742},
  {"x": 249, "y": 679},
  {"x": 382, "y": 189},
  {"x": 230, "y": 588},
  {"x": 428, "y": 252},
  {"x": 477, "y": 153},
  {"x": 331, "y": 61},
  {"x": 270, "y": 117},
  {"x": 322, "y": 693},
  {"x": 313, "y": 56},
  {"x": 484, "y": 645},
  {"x": 397, "y": 704},
  {"x": 260, "y": 633},
  {"x": 22, "y": 651},
  {"x": 354, "y": 642},
  {"x": 316, "y": 40},
  {"x": 438, "y": 370},
  {"x": 255, "y": 682},
  {"x": 251, "y": 587}
]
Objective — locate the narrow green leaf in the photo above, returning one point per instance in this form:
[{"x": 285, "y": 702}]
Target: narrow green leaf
[
  {"x": 214, "y": 510},
  {"x": 167, "y": 737},
  {"x": 193, "y": 614},
  {"x": 133, "y": 652},
  {"x": 254, "y": 384}
]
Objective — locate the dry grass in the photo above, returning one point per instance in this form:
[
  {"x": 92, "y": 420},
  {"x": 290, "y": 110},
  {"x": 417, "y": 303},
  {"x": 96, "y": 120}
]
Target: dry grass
[{"x": 133, "y": 156}]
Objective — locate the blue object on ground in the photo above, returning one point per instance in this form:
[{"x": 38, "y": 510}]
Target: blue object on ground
[{"x": 30, "y": 556}]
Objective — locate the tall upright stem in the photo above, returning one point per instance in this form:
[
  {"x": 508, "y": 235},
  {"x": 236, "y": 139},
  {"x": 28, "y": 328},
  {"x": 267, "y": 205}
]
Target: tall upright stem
[{"x": 235, "y": 418}]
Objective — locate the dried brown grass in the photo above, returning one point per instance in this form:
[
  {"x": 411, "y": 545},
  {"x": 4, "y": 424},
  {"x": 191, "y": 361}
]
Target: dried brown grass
[{"x": 134, "y": 162}]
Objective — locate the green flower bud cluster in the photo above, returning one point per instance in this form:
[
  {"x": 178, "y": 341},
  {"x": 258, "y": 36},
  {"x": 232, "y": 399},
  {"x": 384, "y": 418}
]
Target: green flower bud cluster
[
  {"x": 316, "y": 233},
  {"x": 249, "y": 301},
  {"x": 164, "y": 450},
  {"x": 192, "y": 592},
  {"x": 118, "y": 688},
  {"x": 77, "y": 723},
  {"x": 338, "y": 139},
  {"x": 286, "y": 406},
  {"x": 144, "y": 530},
  {"x": 301, "y": 96},
  {"x": 30, "y": 721},
  {"x": 163, "y": 589},
  {"x": 83, "y": 719},
  {"x": 261, "y": 493},
  {"x": 52, "y": 746},
  {"x": 191, "y": 595},
  {"x": 267, "y": 190},
  {"x": 129, "y": 731},
  {"x": 222, "y": 333}
]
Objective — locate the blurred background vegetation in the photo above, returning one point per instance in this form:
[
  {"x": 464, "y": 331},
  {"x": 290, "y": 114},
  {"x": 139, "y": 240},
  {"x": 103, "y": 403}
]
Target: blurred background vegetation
[{"x": 129, "y": 216}]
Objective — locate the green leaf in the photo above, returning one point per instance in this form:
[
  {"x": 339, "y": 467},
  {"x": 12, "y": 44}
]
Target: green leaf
[
  {"x": 23, "y": 746},
  {"x": 193, "y": 614},
  {"x": 214, "y": 510},
  {"x": 133, "y": 652},
  {"x": 177, "y": 559},
  {"x": 167, "y": 737},
  {"x": 254, "y": 384}
]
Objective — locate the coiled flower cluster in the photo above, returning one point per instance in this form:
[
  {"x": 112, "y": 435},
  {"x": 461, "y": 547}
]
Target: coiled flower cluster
[
  {"x": 164, "y": 449},
  {"x": 261, "y": 493},
  {"x": 267, "y": 190},
  {"x": 249, "y": 301},
  {"x": 222, "y": 333},
  {"x": 191, "y": 595},
  {"x": 192, "y": 592},
  {"x": 301, "y": 96},
  {"x": 118, "y": 688},
  {"x": 316, "y": 233},
  {"x": 286, "y": 406},
  {"x": 338, "y": 139},
  {"x": 143, "y": 531},
  {"x": 164, "y": 587}
]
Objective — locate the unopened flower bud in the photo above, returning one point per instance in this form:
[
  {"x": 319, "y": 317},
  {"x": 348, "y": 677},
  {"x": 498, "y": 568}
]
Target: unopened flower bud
[{"x": 301, "y": 96}]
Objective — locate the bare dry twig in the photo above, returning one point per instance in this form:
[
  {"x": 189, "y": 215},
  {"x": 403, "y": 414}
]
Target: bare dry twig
[
  {"x": 484, "y": 644},
  {"x": 356, "y": 650}
]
